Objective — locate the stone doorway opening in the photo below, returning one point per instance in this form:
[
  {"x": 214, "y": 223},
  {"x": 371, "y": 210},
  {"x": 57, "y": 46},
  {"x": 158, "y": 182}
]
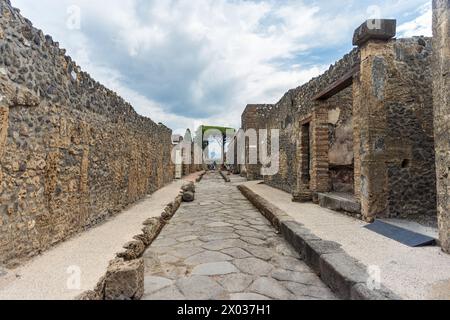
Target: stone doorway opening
[{"x": 306, "y": 164}]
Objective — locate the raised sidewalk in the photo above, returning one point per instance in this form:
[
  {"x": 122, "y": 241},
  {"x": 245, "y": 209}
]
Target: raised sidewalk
[
  {"x": 409, "y": 273},
  {"x": 46, "y": 277}
]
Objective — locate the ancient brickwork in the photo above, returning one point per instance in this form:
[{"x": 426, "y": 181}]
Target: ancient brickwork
[
  {"x": 72, "y": 151},
  {"x": 441, "y": 67}
]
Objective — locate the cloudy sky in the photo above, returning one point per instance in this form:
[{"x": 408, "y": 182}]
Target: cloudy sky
[{"x": 192, "y": 62}]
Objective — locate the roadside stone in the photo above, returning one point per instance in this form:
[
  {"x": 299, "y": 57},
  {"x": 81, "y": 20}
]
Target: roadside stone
[
  {"x": 188, "y": 196},
  {"x": 134, "y": 249},
  {"x": 125, "y": 280}
]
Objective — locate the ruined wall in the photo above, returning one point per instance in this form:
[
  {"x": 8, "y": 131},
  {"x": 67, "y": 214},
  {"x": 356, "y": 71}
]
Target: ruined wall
[
  {"x": 72, "y": 152},
  {"x": 397, "y": 145},
  {"x": 254, "y": 117},
  {"x": 287, "y": 115},
  {"x": 441, "y": 67}
]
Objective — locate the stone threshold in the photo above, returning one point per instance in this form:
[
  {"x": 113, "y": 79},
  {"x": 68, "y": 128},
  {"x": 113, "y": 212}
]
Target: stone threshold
[
  {"x": 340, "y": 202},
  {"x": 345, "y": 275}
]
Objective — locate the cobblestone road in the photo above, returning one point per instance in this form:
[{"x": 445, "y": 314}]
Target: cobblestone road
[{"x": 220, "y": 247}]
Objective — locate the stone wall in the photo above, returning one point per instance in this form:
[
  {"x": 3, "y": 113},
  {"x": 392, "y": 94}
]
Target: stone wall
[
  {"x": 72, "y": 151},
  {"x": 288, "y": 113},
  {"x": 396, "y": 121},
  {"x": 254, "y": 118},
  {"x": 441, "y": 67},
  {"x": 364, "y": 127}
]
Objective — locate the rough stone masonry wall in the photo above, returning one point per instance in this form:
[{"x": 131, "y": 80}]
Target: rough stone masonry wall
[
  {"x": 396, "y": 123},
  {"x": 441, "y": 68},
  {"x": 288, "y": 112},
  {"x": 71, "y": 151}
]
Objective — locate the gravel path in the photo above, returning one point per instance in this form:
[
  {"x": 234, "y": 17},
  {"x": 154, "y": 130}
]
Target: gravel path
[{"x": 221, "y": 247}]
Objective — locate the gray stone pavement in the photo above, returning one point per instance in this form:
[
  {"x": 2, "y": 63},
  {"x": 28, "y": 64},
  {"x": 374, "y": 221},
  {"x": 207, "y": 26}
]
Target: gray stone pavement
[{"x": 221, "y": 248}]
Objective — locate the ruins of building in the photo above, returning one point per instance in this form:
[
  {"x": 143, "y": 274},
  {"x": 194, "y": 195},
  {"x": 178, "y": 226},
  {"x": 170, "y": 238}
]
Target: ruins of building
[
  {"x": 253, "y": 118},
  {"x": 359, "y": 138},
  {"x": 441, "y": 93},
  {"x": 72, "y": 152}
]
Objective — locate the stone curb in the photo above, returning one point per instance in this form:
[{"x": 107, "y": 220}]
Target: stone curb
[
  {"x": 124, "y": 278},
  {"x": 345, "y": 275},
  {"x": 269, "y": 211},
  {"x": 200, "y": 177},
  {"x": 224, "y": 176}
]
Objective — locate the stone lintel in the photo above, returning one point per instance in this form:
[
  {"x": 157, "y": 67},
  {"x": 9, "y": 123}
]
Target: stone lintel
[{"x": 375, "y": 29}]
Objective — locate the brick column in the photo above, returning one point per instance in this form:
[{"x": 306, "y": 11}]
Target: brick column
[
  {"x": 320, "y": 179},
  {"x": 441, "y": 69},
  {"x": 303, "y": 192},
  {"x": 373, "y": 39}
]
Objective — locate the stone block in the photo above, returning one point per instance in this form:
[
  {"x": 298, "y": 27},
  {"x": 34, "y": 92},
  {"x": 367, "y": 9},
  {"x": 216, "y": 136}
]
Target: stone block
[
  {"x": 188, "y": 196},
  {"x": 189, "y": 187},
  {"x": 297, "y": 235},
  {"x": 134, "y": 249},
  {"x": 375, "y": 29},
  {"x": 125, "y": 280},
  {"x": 314, "y": 249},
  {"x": 341, "y": 272}
]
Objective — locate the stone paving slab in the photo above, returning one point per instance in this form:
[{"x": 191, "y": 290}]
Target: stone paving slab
[{"x": 221, "y": 247}]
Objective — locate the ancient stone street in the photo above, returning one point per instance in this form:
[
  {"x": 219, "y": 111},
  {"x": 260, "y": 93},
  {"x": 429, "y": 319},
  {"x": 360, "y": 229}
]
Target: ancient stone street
[{"x": 221, "y": 247}]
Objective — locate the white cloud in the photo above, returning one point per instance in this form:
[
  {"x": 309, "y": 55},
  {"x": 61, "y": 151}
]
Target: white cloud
[
  {"x": 185, "y": 62},
  {"x": 420, "y": 26}
]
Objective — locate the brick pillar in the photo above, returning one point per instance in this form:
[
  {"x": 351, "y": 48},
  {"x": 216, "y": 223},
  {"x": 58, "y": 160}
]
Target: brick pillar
[
  {"x": 373, "y": 39},
  {"x": 441, "y": 68},
  {"x": 303, "y": 192},
  {"x": 320, "y": 179}
]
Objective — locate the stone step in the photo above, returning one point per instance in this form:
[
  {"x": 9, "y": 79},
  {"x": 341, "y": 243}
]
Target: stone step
[{"x": 340, "y": 202}]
